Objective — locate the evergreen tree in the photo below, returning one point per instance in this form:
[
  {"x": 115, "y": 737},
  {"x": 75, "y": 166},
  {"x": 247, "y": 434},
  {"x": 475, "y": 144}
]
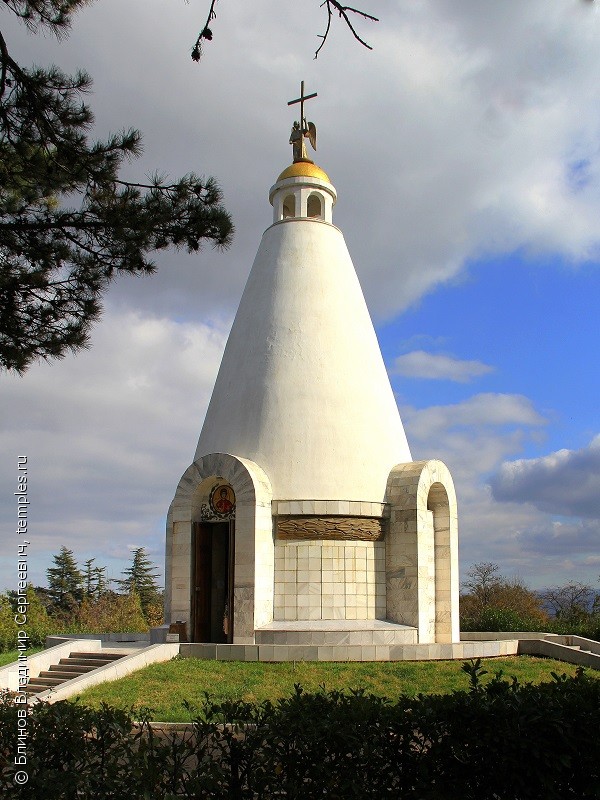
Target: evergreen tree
[
  {"x": 68, "y": 223},
  {"x": 101, "y": 581},
  {"x": 140, "y": 578},
  {"x": 94, "y": 580},
  {"x": 65, "y": 581}
]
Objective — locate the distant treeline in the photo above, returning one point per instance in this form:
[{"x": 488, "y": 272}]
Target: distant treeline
[
  {"x": 491, "y": 602},
  {"x": 83, "y": 601}
]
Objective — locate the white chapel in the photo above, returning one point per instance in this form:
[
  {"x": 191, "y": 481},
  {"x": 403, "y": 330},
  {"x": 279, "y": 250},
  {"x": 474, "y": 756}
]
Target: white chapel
[{"x": 303, "y": 517}]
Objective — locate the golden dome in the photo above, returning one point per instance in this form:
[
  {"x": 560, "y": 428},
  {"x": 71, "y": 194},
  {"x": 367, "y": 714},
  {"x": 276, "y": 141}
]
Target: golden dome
[{"x": 303, "y": 169}]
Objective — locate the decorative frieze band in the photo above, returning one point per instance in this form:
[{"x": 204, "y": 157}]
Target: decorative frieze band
[{"x": 366, "y": 529}]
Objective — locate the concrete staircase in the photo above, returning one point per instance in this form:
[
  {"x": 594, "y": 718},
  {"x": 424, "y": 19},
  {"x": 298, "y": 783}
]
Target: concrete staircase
[
  {"x": 574, "y": 649},
  {"x": 73, "y": 666}
]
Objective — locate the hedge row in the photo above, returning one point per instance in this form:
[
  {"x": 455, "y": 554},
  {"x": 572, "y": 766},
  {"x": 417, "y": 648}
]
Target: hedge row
[
  {"x": 503, "y": 619},
  {"x": 501, "y": 741}
]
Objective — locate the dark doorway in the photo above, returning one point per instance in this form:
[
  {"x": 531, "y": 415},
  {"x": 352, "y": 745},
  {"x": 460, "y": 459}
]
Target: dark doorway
[{"x": 212, "y": 571}]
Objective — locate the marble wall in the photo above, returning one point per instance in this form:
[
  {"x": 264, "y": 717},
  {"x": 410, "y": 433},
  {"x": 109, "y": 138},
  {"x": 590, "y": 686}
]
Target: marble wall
[{"x": 329, "y": 580}]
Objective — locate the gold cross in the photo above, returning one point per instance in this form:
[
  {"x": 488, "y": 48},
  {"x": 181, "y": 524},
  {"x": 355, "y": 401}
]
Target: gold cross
[{"x": 301, "y": 100}]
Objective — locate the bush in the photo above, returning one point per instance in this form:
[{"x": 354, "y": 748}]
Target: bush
[
  {"x": 110, "y": 613},
  {"x": 38, "y": 625},
  {"x": 589, "y": 628},
  {"x": 501, "y": 619},
  {"x": 503, "y": 740},
  {"x": 500, "y": 604}
]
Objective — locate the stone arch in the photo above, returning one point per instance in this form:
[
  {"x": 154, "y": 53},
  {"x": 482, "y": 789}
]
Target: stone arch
[
  {"x": 254, "y": 549},
  {"x": 422, "y": 551},
  {"x": 438, "y": 504},
  {"x": 314, "y": 206}
]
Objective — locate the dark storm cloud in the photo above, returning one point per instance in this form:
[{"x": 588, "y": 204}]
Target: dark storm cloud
[{"x": 566, "y": 482}]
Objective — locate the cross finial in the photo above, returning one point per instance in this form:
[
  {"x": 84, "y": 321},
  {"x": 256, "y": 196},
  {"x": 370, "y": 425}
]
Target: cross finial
[
  {"x": 301, "y": 100},
  {"x": 302, "y": 129}
]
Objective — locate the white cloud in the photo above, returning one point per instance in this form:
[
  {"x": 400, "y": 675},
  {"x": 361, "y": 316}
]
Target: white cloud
[
  {"x": 475, "y": 438},
  {"x": 107, "y": 435},
  {"x": 481, "y": 139},
  {"x": 434, "y": 366},
  {"x": 566, "y": 482},
  {"x": 494, "y": 106},
  {"x": 481, "y": 411}
]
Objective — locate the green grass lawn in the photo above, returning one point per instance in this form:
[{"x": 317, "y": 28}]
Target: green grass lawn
[
  {"x": 12, "y": 655},
  {"x": 164, "y": 687}
]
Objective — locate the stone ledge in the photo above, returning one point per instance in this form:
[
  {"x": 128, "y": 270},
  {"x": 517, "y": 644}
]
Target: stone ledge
[{"x": 346, "y": 508}]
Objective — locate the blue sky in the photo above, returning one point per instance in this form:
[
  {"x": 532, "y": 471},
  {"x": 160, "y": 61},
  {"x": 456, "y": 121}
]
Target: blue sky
[
  {"x": 465, "y": 150},
  {"x": 534, "y": 324}
]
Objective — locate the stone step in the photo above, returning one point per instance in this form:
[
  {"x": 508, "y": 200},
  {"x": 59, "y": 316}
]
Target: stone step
[
  {"x": 36, "y": 688},
  {"x": 42, "y": 680},
  {"x": 98, "y": 654},
  {"x": 93, "y": 663},
  {"x": 74, "y": 669},
  {"x": 56, "y": 673},
  {"x": 69, "y": 668}
]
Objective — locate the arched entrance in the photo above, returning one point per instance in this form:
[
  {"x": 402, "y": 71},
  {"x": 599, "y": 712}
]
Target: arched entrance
[
  {"x": 224, "y": 547},
  {"x": 213, "y": 559}
]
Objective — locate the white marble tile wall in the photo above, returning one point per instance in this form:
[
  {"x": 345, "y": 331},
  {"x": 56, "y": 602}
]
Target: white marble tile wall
[{"x": 329, "y": 580}]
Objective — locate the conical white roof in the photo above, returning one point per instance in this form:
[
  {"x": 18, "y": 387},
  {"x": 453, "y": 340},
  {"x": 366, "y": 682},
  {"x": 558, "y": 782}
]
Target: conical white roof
[{"x": 302, "y": 389}]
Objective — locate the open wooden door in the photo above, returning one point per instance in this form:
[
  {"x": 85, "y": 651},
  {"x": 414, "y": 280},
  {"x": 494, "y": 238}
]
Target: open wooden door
[{"x": 212, "y": 582}]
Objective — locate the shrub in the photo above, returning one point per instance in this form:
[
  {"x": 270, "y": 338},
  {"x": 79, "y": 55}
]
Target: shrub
[
  {"x": 502, "y": 740},
  {"x": 495, "y": 603},
  {"x": 110, "y": 613},
  {"x": 38, "y": 625},
  {"x": 501, "y": 619}
]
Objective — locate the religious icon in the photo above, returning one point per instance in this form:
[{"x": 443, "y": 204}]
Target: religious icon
[{"x": 222, "y": 500}]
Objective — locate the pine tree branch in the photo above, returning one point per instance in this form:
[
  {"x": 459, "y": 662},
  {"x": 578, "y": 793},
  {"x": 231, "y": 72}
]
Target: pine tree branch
[
  {"x": 205, "y": 33},
  {"x": 3, "y": 74},
  {"x": 52, "y": 14}
]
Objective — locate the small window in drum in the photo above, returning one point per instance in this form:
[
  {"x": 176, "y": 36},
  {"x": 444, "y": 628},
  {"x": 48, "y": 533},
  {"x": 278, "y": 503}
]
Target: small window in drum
[
  {"x": 289, "y": 206},
  {"x": 314, "y": 207}
]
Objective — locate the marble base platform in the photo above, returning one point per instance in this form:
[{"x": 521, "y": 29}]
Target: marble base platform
[
  {"x": 343, "y": 652},
  {"x": 347, "y": 632}
]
